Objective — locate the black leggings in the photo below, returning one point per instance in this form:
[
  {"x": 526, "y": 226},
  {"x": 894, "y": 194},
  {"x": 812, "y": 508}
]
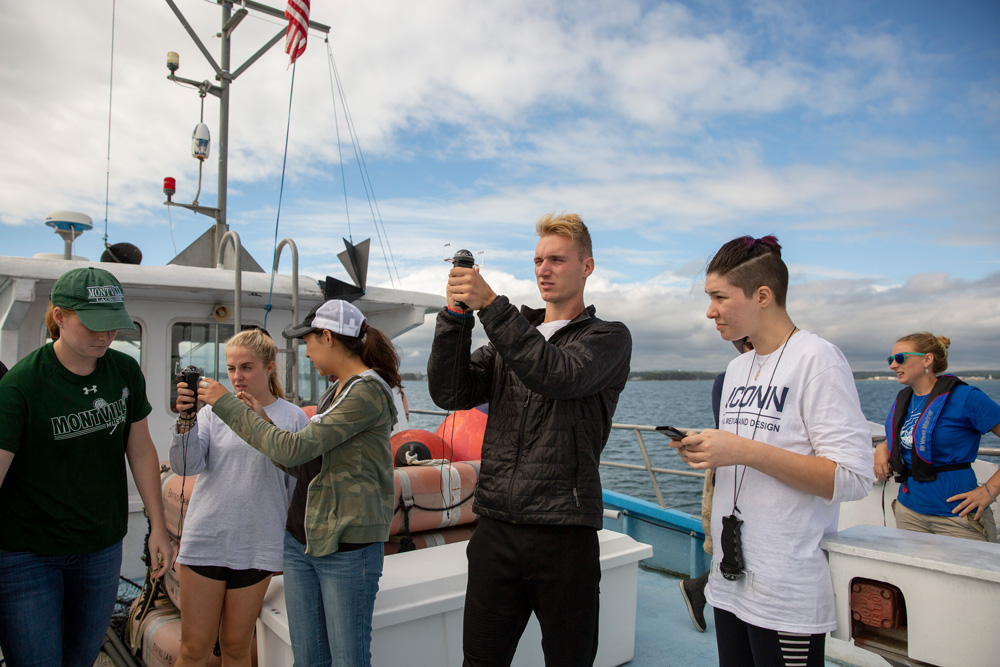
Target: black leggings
[{"x": 743, "y": 644}]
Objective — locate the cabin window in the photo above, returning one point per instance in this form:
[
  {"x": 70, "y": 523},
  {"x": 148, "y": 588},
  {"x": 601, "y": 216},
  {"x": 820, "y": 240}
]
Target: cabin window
[
  {"x": 201, "y": 344},
  {"x": 130, "y": 342}
]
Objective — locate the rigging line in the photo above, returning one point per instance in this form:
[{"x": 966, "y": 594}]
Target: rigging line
[
  {"x": 170, "y": 226},
  {"x": 363, "y": 169},
  {"x": 373, "y": 200},
  {"x": 281, "y": 192},
  {"x": 111, "y": 80},
  {"x": 336, "y": 124}
]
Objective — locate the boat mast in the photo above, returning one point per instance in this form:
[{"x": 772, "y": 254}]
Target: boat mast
[
  {"x": 221, "y": 227},
  {"x": 224, "y": 76}
]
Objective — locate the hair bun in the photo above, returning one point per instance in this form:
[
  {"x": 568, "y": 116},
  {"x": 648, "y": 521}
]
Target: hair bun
[
  {"x": 771, "y": 242},
  {"x": 945, "y": 341}
]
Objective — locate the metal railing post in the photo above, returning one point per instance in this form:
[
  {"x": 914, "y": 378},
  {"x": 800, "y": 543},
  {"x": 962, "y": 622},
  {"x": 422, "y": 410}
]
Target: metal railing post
[
  {"x": 649, "y": 467},
  {"x": 237, "y": 250}
]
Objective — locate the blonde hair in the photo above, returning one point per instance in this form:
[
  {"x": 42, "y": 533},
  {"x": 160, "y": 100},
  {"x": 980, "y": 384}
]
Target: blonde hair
[
  {"x": 570, "y": 225},
  {"x": 928, "y": 343},
  {"x": 261, "y": 346}
]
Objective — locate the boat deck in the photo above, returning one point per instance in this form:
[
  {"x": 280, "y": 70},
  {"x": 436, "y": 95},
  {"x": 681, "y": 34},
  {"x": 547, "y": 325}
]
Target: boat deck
[{"x": 664, "y": 634}]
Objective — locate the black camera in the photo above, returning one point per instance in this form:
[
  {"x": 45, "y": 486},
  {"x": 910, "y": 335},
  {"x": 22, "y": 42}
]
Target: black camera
[
  {"x": 731, "y": 565},
  {"x": 191, "y": 376}
]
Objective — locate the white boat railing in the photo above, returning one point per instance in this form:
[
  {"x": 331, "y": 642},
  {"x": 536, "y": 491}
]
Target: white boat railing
[
  {"x": 637, "y": 430},
  {"x": 291, "y": 344},
  {"x": 650, "y": 469}
]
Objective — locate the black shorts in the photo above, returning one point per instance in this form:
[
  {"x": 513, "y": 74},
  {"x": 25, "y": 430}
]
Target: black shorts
[{"x": 233, "y": 578}]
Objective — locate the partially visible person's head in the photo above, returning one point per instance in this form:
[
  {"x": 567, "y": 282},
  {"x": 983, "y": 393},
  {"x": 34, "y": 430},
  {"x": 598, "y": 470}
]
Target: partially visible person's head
[
  {"x": 92, "y": 295},
  {"x": 251, "y": 363},
  {"x": 563, "y": 262},
  {"x": 749, "y": 263},
  {"x": 336, "y": 322},
  {"x": 925, "y": 342},
  {"x": 569, "y": 225}
]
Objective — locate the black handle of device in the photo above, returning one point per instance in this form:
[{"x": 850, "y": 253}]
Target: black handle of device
[
  {"x": 463, "y": 259},
  {"x": 191, "y": 376}
]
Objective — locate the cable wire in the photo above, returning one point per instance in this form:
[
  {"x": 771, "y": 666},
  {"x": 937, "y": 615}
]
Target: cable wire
[
  {"x": 111, "y": 80},
  {"x": 281, "y": 192},
  {"x": 363, "y": 169}
]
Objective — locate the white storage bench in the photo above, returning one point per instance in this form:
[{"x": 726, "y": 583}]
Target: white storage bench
[{"x": 418, "y": 611}]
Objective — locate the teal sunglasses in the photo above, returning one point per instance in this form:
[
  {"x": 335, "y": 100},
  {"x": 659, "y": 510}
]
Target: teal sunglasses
[{"x": 900, "y": 357}]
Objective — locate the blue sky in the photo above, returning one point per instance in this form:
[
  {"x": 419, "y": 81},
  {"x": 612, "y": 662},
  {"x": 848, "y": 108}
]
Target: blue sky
[{"x": 864, "y": 135}]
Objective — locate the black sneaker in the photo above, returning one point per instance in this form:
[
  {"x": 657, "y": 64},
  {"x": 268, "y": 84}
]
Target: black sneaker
[{"x": 693, "y": 592}]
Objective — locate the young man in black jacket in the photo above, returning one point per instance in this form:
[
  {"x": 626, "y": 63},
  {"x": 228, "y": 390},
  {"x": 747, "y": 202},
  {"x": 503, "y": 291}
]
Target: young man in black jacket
[{"x": 552, "y": 378}]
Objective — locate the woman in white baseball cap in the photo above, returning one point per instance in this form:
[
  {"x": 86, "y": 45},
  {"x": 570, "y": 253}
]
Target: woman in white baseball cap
[
  {"x": 342, "y": 504},
  {"x": 73, "y": 412}
]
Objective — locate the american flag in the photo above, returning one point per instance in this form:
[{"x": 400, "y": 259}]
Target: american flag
[{"x": 297, "y": 14}]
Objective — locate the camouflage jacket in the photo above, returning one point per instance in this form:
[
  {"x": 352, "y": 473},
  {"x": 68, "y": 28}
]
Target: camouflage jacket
[{"x": 351, "y": 499}]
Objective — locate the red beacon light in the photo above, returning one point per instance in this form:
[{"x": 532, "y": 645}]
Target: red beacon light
[{"x": 169, "y": 187}]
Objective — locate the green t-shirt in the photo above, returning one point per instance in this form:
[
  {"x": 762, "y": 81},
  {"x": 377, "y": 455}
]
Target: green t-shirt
[{"x": 66, "y": 491}]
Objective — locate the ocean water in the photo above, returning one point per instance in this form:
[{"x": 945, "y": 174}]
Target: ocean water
[{"x": 685, "y": 404}]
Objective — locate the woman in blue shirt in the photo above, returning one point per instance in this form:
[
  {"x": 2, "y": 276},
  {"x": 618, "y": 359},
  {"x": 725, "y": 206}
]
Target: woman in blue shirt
[{"x": 932, "y": 437}]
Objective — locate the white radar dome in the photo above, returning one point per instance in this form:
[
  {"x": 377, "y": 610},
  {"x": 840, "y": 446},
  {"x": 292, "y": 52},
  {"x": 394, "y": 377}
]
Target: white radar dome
[{"x": 70, "y": 221}]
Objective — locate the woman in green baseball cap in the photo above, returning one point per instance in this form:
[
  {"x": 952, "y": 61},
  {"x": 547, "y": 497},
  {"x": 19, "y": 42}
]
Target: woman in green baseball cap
[{"x": 73, "y": 412}]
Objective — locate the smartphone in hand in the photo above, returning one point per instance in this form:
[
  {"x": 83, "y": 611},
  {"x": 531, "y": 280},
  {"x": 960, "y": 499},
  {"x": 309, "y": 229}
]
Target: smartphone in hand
[{"x": 671, "y": 432}]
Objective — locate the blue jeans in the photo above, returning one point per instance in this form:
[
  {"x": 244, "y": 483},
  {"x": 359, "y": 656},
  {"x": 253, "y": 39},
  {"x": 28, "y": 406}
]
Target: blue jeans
[
  {"x": 330, "y": 600},
  {"x": 54, "y": 609}
]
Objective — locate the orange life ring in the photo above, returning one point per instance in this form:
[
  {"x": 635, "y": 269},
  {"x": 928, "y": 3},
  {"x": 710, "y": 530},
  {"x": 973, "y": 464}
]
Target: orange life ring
[
  {"x": 423, "y": 443},
  {"x": 462, "y": 433}
]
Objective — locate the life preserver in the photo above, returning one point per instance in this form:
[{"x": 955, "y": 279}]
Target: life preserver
[
  {"x": 431, "y": 538},
  {"x": 157, "y": 636},
  {"x": 171, "y": 486},
  {"x": 463, "y": 433},
  {"x": 171, "y": 581},
  {"x": 922, "y": 468},
  {"x": 434, "y": 497},
  {"x": 424, "y": 444}
]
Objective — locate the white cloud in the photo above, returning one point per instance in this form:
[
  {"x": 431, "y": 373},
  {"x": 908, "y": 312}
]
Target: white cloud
[
  {"x": 670, "y": 330},
  {"x": 671, "y": 127}
]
